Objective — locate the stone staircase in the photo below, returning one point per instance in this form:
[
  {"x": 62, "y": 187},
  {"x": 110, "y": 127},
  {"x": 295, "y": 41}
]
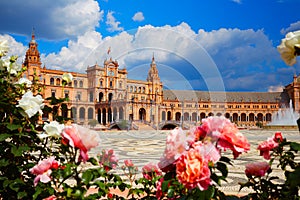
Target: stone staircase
[{"x": 143, "y": 126}]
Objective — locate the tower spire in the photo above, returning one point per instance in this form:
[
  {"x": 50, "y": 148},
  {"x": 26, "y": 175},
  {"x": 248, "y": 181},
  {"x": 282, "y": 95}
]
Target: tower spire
[
  {"x": 32, "y": 35},
  {"x": 153, "y": 72}
]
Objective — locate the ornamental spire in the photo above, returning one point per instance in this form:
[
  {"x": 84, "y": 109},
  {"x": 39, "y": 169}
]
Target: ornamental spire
[{"x": 32, "y": 35}]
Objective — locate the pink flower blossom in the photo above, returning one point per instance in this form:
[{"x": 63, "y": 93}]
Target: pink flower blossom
[
  {"x": 235, "y": 141},
  {"x": 177, "y": 143},
  {"x": 192, "y": 170},
  {"x": 200, "y": 132},
  {"x": 108, "y": 159},
  {"x": 266, "y": 146},
  {"x": 226, "y": 134},
  {"x": 207, "y": 150},
  {"x": 258, "y": 169},
  {"x": 81, "y": 138},
  {"x": 150, "y": 170},
  {"x": 128, "y": 163},
  {"x": 50, "y": 198},
  {"x": 43, "y": 170}
]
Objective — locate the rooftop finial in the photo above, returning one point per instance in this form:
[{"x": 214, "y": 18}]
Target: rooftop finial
[{"x": 32, "y": 35}]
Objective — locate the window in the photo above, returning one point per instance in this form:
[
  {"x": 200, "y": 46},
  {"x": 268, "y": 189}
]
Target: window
[
  {"x": 81, "y": 84},
  {"x": 91, "y": 96},
  {"x": 78, "y": 96},
  {"x": 51, "y": 81},
  {"x": 75, "y": 83},
  {"x": 57, "y": 81}
]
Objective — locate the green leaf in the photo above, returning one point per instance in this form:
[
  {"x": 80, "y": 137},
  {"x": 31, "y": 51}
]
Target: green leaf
[
  {"x": 93, "y": 161},
  {"x": 165, "y": 185},
  {"x": 222, "y": 167},
  {"x": 100, "y": 184},
  {"x": 295, "y": 146},
  {"x": 87, "y": 176},
  {"x": 4, "y": 136},
  {"x": 18, "y": 151},
  {"x": 170, "y": 192},
  {"x": 21, "y": 195},
  {"x": 13, "y": 127},
  {"x": 4, "y": 163},
  {"x": 226, "y": 160},
  {"x": 67, "y": 171},
  {"x": 206, "y": 194}
]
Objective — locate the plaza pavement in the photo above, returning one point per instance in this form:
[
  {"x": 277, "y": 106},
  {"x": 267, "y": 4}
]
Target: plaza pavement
[{"x": 147, "y": 146}]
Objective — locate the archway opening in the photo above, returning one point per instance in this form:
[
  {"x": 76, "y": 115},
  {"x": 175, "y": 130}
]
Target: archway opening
[{"x": 142, "y": 114}]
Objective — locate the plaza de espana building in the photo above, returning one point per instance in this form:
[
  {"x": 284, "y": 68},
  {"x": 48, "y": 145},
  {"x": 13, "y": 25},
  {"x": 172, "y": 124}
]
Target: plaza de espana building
[{"x": 106, "y": 94}]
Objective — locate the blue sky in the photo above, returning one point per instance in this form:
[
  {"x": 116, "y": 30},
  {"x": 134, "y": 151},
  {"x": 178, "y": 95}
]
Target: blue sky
[{"x": 204, "y": 45}]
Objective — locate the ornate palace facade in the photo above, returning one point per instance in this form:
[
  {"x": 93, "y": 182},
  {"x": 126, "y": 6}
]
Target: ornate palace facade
[{"x": 106, "y": 94}]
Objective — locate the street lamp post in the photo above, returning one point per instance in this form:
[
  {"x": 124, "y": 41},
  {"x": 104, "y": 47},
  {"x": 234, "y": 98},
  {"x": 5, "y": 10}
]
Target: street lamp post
[
  {"x": 132, "y": 101},
  {"x": 151, "y": 102}
]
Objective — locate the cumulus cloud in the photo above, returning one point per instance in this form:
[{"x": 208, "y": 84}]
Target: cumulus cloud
[
  {"x": 202, "y": 59},
  {"x": 15, "y": 48},
  {"x": 112, "y": 23},
  {"x": 71, "y": 57},
  {"x": 293, "y": 27},
  {"x": 59, "y": 20},
  {"x": 139, "y": 16},
  {"x": 276, "y": 88},
  {"x": 226, "y": 52}
]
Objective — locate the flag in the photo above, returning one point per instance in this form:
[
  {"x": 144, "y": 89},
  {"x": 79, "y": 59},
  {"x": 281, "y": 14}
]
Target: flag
[{"x": 108, "y": 51}]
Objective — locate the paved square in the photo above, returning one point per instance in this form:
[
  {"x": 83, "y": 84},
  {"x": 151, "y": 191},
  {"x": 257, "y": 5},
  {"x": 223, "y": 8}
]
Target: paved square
[{"x": 143, "y": 147}]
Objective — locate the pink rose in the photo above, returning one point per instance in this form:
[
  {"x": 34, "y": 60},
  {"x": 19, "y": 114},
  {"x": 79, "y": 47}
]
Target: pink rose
[
  {"x": 177, "y": 143},
  {"x": 128, "y": 163},
  {"x": 266, "y": 146},
  {"x": 43, "y": 170},
  {"x": 258, "y": 169},
  {"x": 226, "y": 134},
  {"x": 200, "y": 132},
  {"x": 233, "y": 140},
  {"x": 207, "y": 150},
  {"x": 192, "y": 170},
  {"x": 108, "y": 159},
  {"x": 151, "y": 170},
  {"x": 81, "y": 138},
  {"x": 50, "y": 198},
  {"x": 214, "y": 126}
]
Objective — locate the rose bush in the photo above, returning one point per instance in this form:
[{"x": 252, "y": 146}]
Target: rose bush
[
  {"x": 50, "y": 160},
  {"x": 260, "y": 178}
]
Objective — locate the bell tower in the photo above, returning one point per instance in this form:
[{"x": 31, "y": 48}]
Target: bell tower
[
  {"x": 154, "y": 83},
  {"x": 32, "y": 59},
  {"x": 153, "y": 72}
]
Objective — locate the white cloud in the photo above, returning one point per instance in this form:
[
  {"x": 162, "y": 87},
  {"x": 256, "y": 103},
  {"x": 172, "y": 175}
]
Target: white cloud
[
  {"x": 59, "y": 20},
  {"x": 293, "y": 27},
  {"x": 277, "y": 88},
  {"x": 237, "y": 1},
  {"x": 70, "y": 58},
  {"x": 227, "y": 53},
  {"x": 77, "y": 18},
  {"x": 112, "y": 23},
  {"x": 15, "y": 48},
  {"x": 139, "y": 16}
]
